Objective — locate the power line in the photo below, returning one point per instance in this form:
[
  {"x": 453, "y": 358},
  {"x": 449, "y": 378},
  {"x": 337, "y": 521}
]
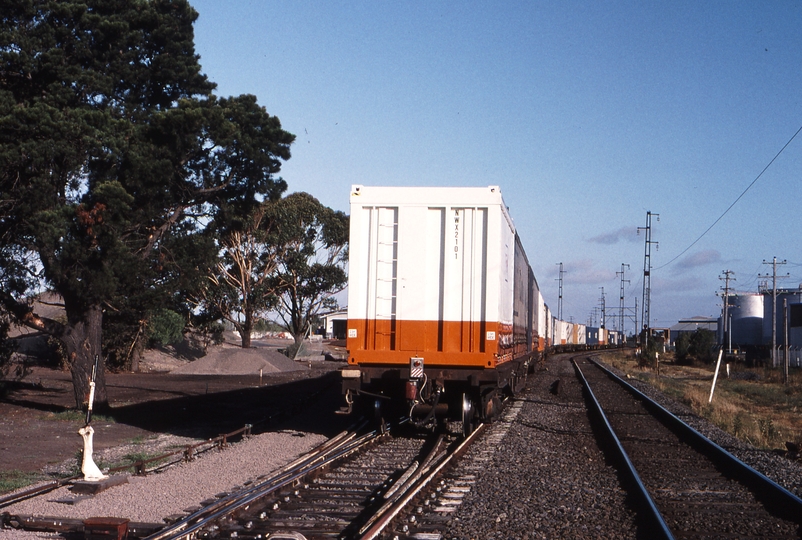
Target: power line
[{"x": 735, "y": 201}]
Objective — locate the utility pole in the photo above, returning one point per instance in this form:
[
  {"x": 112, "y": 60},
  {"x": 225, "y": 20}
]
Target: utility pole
[
  {"x": 560, "y": 298},
  {"x": 647, "y": 270},
  {"x": 594, "y": 313},
  {"x": 601, "y": 302},
  {"x": 774, "y": 276},
  {"x": 621, "y": 301},
  {"x": 726, "y": 333},
  {"x": 786, "y": 360}
]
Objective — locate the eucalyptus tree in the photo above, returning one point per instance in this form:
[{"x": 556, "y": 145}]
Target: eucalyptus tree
[
  {"x": 240, "y": 286},
  {"x": 287, "y": 257},
  {"x": 114, "y": 157},
  {"x": 311, "y": 268}
]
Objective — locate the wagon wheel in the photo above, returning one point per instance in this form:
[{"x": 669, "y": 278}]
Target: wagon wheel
[{"x": 468, "y": 412}]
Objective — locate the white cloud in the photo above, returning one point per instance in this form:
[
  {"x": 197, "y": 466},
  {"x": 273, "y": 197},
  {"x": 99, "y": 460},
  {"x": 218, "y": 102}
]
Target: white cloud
[
  {"x": 627, "y": 234},
  {"x": 700, "y": 258}
]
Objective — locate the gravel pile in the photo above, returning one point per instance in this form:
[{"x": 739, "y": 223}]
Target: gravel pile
[
  {"x": 239, "y": 361},
  {"x": 152, "y": 498}
]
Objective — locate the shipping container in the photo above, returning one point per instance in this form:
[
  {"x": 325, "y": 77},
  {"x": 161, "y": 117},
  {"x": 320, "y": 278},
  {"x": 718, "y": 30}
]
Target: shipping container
[{"x": 432, "y": 274}]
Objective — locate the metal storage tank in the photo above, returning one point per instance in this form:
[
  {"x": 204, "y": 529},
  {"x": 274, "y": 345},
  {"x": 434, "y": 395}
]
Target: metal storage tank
[
  {"x": 793, "y": 296},
  {"x": 746, "y": 319}
]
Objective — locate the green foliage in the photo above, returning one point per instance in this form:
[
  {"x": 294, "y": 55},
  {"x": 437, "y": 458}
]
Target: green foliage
[
  {"x": 78, "y": 416},
  {"x": 702, "y": 345},
  {"x": 213, "y": 332},
  {"x": 7, "y": 346},
  {"x": 123, "y": 331},
  {"x": 310, "y": 270},
  {"x": 681, "y": 347},
  {"x": 114, "y": 155},
  {"x": 165, "y": 327},
  {"x": 287, "y": 255},
  {"x": 696, "y": 346},
  {"x": 57, "y": 353},
  {"x": 648, "y": 355}
]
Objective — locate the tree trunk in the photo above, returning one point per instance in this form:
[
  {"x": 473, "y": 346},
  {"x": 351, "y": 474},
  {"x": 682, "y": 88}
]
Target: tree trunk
[
  {"x": 82, "y": 340},
  {"x": 245, "y": 330},
  {"x": 137, "y": 353}
]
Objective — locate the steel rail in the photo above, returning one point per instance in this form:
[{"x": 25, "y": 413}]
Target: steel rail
[
  {"x": 779, "y": 499},
  {"x": 431, "y": 468},
  {"x": 8, "y": 500},
  {"x": 658, "y": 527},
  {"x": 340, "y": 446}
]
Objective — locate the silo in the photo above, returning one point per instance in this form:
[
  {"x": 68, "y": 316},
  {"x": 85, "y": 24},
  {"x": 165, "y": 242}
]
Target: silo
[
  {"x": 746, "y": 318},
  {"x": 790, "y": 297}
]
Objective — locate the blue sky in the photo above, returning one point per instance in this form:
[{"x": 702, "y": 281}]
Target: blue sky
[{"x": 587, "y": 114}]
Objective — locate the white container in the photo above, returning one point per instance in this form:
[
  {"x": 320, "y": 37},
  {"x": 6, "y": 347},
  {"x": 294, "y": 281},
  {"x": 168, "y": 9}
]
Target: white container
[{"x": 431, "y": 275}]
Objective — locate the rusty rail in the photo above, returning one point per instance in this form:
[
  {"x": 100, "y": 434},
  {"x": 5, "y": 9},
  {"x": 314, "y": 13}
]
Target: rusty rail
[
  {"x": 8, "y": 500},
  {"x": 188, "y": 452},
  {"x": 432, "y": 467},
  {"x": 340, "y": 446}
]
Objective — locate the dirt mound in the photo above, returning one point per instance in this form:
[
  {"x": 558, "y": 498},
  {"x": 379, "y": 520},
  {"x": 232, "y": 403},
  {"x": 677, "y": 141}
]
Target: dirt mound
[{"x": 239, "y": 361}]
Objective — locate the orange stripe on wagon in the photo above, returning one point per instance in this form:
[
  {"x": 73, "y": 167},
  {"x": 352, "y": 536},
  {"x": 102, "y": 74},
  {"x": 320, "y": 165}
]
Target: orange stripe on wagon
[{"x": 441, "y": 343}]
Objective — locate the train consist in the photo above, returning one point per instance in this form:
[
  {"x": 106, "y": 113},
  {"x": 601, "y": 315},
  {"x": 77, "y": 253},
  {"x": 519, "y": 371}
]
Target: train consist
[{"x": 444, "y": 312}]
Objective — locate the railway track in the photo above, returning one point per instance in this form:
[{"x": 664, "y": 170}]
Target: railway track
[
  {"x": 353, "y": 486},
  {"x": 686, "y": 486},
  {"x": 428, "y": 514}
]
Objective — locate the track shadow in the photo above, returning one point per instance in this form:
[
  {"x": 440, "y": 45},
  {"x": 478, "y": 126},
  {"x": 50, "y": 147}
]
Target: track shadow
[{"x": 303, "y": 405}]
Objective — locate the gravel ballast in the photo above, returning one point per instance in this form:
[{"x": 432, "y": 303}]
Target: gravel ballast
[
  {"x": 152, "y": 498},
  {"x": 783, "y": 471},
  {"x": 548, "y": 478}
]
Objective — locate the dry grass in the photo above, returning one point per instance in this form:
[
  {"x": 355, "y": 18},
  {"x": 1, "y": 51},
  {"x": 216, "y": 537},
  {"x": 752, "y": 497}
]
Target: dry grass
[{"x": 763, "y": 411}]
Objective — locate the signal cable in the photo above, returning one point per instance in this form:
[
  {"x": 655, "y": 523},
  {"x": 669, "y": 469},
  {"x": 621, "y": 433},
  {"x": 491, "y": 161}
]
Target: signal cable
[{"x": 735, "y": 201}]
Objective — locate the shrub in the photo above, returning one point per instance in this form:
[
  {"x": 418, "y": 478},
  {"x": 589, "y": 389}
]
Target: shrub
[
  {"x": 682, "y": 348},
  {"x": 702, "y": 345},
  {"x": 165, "y": 327},
  {"x": 648, "y": 356}
]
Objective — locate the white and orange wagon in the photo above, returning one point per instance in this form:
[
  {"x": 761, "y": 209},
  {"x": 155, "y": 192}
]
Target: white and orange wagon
[{"x": 444, "y": 312}]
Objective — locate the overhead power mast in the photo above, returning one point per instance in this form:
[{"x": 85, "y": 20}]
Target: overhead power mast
[
  {"x": 602, "y": 322},
  {"x": 725, "y": 336},
  {"x": 647, "y": 270},
  {"x": 560, "y": 298},
  {"x": 621, "y": 302}
]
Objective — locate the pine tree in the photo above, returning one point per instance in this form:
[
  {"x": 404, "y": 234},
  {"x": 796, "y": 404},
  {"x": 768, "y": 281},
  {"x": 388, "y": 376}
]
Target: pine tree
[{"x": 114, "y": 154}]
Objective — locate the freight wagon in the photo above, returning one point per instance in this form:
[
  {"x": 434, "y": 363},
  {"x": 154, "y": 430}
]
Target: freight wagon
[{"x": 442, "y": 303}]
